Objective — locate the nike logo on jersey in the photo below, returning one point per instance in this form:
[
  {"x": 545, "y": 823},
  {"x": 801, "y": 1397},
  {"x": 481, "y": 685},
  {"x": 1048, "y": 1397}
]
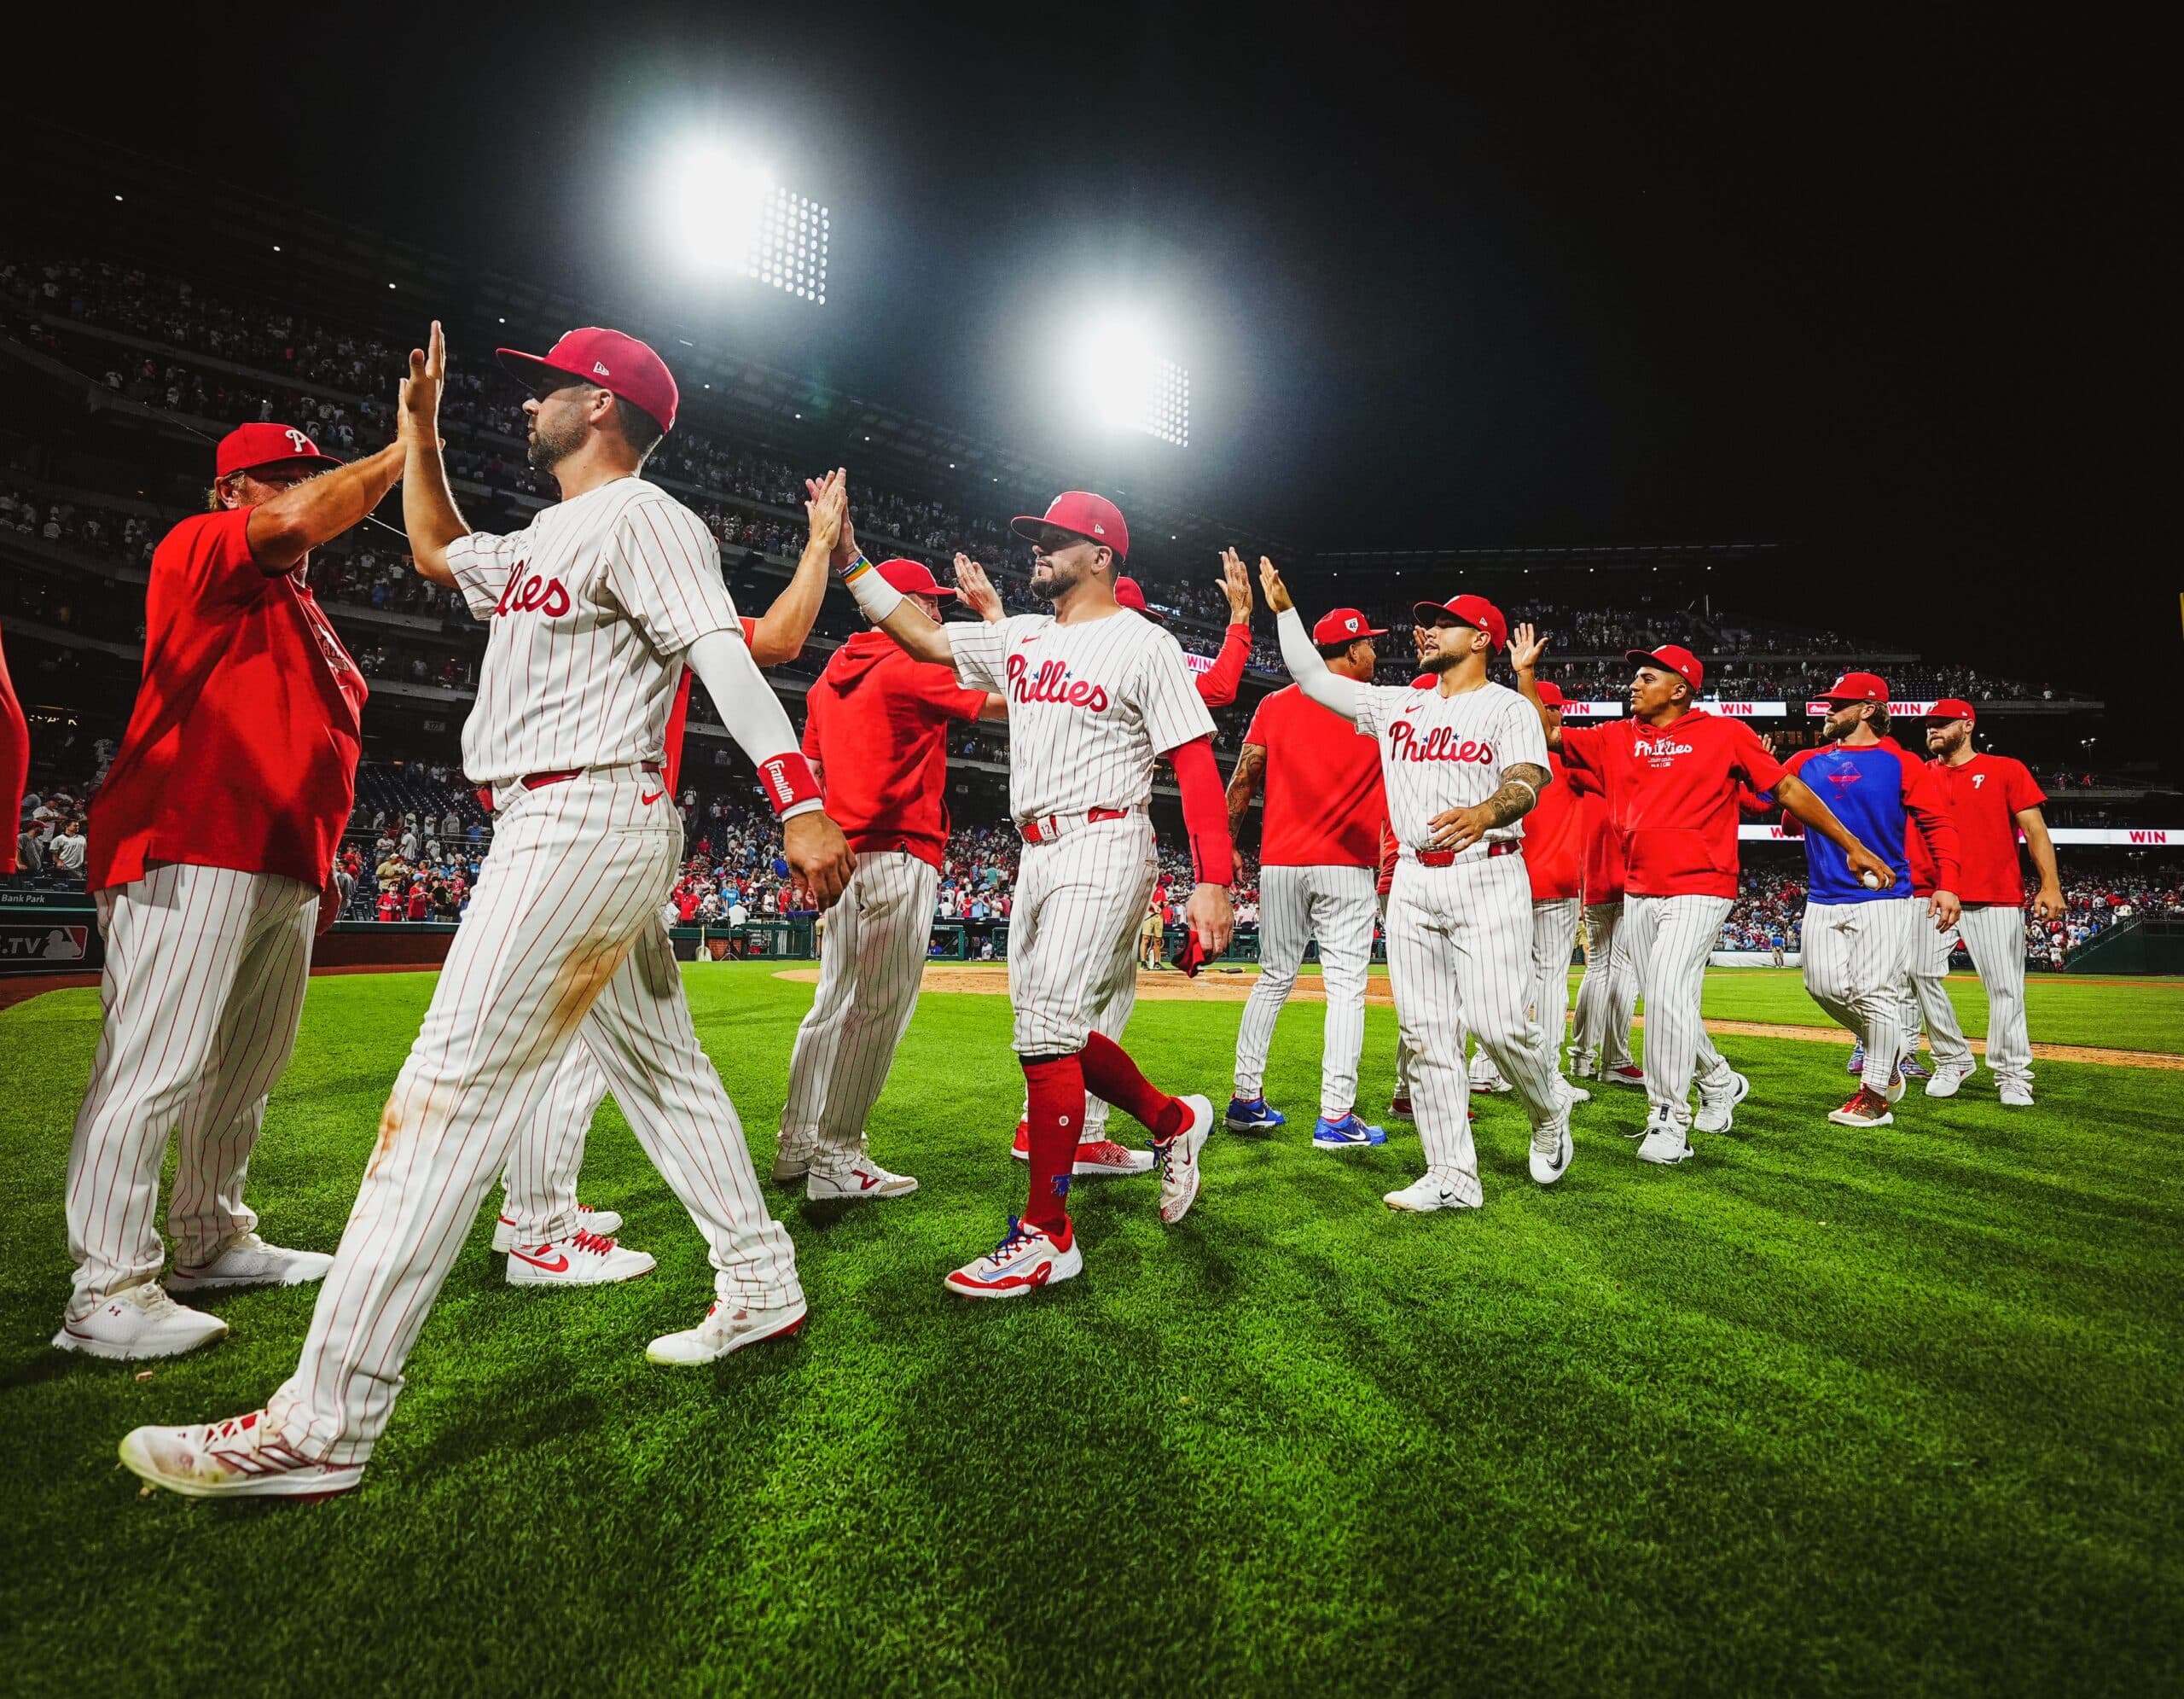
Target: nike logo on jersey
[
  {"x": 557, "y": 1264},
  {"x": 654, "y": 797}
]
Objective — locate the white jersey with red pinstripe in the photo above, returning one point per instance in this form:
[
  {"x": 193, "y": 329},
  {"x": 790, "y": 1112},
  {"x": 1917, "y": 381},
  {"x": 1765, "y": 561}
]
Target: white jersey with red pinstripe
[
  {"x": 1438, "y": 753},
  {"x": 584, "y": 604}
]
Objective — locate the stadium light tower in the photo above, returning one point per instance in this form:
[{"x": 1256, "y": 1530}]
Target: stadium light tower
[
  {"x": 732, "y": 218},
  {"x": 1133, "y": 385}
]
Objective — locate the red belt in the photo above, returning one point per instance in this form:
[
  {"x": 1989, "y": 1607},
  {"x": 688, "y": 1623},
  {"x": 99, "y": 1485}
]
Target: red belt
[
  {"x": 1047, "y": 830},
  {"x": 1447, "y": 858},
  {"x": 535, "y": 781}
]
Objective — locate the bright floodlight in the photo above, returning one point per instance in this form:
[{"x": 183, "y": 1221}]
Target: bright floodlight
[
  {"x": 1133, "y": 385},
  {"x": 733, "y": 218}
]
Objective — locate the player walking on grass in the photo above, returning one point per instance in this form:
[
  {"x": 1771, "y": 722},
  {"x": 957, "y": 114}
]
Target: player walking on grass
[
  {"x": 1671, "y": 774},
  {"x": 1318, "y": 854},
  {"x": 211, "y": 856},
  {"x": 1860, "y": 932},
  {"x": 1462, "y": 763},
  {"x": 594, "y": 608},
  {"x": 550, "y": 1239},
  {"x": 1991, "y": 799},
  {"x": 1555, "y": 860},
  {"x": 1607, "y": 995},
  {"x": 1095, "y": 694}
]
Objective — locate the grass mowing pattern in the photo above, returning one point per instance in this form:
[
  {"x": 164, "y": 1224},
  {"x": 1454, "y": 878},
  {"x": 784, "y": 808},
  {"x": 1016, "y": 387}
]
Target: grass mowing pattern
[{"x": 1822, "y": 1410}]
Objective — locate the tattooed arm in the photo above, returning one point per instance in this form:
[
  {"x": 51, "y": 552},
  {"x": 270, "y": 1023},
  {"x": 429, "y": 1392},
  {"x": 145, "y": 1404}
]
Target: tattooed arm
[
  {"x": 1243, "y": 784},
  {"x": 1458, "y": 828}
]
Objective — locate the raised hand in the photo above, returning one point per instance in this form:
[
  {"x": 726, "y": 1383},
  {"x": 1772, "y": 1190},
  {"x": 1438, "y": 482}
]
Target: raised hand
[
  {"x": 1236, "y": 584},
  {"x": 417, "y": 411},
  {"x": 1277, "y": 592},
  {"x": 845, "y": 540},
  {"x": 827, "y": 510},
  {"x": 1525, "y": 648},
  {"x": 977, "y": 590}
]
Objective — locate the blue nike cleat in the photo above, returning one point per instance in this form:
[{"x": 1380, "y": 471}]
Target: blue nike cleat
[
  {"x": 1349, "y": 1133},
  {"x": 1252, "y": 1114},
  {"x": 1857, "y": 1061},
  {"x": 1912, "y": 1068}
]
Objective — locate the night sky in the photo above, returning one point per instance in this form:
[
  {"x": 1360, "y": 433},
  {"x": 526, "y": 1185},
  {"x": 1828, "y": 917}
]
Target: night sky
[{"x": 1897, "y": 288}]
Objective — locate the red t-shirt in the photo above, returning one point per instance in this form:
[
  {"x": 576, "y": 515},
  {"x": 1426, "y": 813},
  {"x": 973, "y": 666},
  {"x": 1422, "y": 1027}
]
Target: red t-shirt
[
  {"x": 420, "y": 906},
  {"x": 1554, "y": 839},
  {"x": 1986, "y": 795},
  {"x": 1672, "y": 796},
  {"x": 241, "y": 751},
  {"x": 877, "y": 724},
  {"x": 1324, "y": 804}
]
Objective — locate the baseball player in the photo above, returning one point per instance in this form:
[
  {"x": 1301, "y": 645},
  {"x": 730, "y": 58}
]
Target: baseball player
[
  {"x": 1216, "y": 683},
  {"x": 876, "y": 733},
  {"x": 1318, "y": 856},
  {"x": 1096, "y": 695},
  {"x": 1555, "y": 860},
  {"x": 1462, "y": 764},
  {"x": 594, "y": 608},
  {"x": 550, "y": 1239},
  {"x": 1860, "y": 931},
  {"x": 1671, "y": 774},
  {"x": 1991, "y": 799},
  {"x": 1607, "y": 995},
  {"x": 14, "y": 765},
  {"x": 212, "y": 854}
]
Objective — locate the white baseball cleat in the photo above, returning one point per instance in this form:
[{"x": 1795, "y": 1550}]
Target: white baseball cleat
[
  {"x": 1433, "y": 1191},
  {"x": 580, "y": 1259},
  {"x": 1867, "y": 1108},
  {"x": 1947, "y": 1081},
  {"x": 605, "y": 1223},
  {"x": 858, "y": 1180},
  {"x": 1578, "y": 1094},
  {"x": 238, "y": 1458},
  {"x": 1178, "y": 1159},
  {"x": 1665, "y": 1143},
  {"x": 1552, "y": 1150},
  {"x": 1627, "y": 1074},
  {"x": 250, "y": 1261},
  {"x": 1027, "y": 1259},
  {"x": 791, "y": 1161},
  {"x": 1104, "y": 1156},
  {"x": 142, "y": 1322},
  {"x": 723, "y": 1331},
  {"x": 1717, "y": 1109},
  {"x": 2016, "y": 1095}
]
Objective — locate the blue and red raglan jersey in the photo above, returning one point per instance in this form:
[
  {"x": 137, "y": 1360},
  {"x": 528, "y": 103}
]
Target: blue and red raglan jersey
[{"x": 1880, "y": 793}]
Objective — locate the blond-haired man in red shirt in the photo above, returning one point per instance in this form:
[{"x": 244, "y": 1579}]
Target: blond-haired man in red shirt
[{"x": 212, "y": 854}]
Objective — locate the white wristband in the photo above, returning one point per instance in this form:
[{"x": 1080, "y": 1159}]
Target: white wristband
[{"x": 875, "y": 596}]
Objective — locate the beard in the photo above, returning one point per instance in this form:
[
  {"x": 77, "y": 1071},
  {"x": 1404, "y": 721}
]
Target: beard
[
  {"x": 550, "y": 446},
  {"x": 1439, "y": 661},
  {"x": 1057, "y": 583}
]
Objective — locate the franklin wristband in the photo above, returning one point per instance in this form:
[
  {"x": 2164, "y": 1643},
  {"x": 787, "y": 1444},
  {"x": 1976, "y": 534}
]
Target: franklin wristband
[{"x": 787, "y": 781}]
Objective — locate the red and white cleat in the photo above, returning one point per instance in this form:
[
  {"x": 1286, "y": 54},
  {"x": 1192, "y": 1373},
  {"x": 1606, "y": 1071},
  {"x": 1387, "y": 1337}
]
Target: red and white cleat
[
  {"x": 238, "y": 1458},
  {"x": 582, "y": 1260},
  {"x": 1095, "y": 1157},
  {"x": 723, "y": 1331},
  {"x": 1626, "y": 1076},
  {"x": 1179, "y": 1169},
  {"x": 859, "y": 1180},
  {"x": 1026, "y": 1260},
  {"x": 605, "y": 1223},
  {"x": 1867, "y": 1108}
]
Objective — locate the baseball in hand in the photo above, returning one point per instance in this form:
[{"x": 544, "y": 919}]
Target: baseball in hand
[{"x": 1872, "y": 880}]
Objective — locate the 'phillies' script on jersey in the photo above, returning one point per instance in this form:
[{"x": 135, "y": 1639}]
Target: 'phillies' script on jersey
[
  {"x": 1051, "y": 683},
  {"x": 1441, "y": 743},
  {"x": 1438, "y": 753}
]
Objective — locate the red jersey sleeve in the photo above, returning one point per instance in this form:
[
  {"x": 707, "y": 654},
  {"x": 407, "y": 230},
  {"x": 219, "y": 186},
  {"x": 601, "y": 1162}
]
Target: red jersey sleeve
[
  {"x": 2022, "y": 790},
  {"x": 1584, "y": 747},
  {"x": 1793, "y": 827},
  {"x": 1218, "y": 684},
  {"x": 937, "y": 692},
  {"x": 811, "y": 711},
  {"x": 1748, "y": 756},
  {"x": 1257, "y": 732},
  {"x": 211, "y": 552},
  {"x": 1931, "y": 822}
]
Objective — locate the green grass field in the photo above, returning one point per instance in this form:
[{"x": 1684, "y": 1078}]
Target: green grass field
[{"x": 1819, "y": 1411}]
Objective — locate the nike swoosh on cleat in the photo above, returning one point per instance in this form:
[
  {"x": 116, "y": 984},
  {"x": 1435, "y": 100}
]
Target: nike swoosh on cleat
[{"x": 559, "y": 1265}]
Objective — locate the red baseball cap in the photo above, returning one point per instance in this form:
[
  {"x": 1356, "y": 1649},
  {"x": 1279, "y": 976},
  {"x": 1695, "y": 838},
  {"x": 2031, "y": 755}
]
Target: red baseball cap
[
  {"x": 1673, "y": 658},
  {"x": 616, "y": 362},
  {"x": 247, "y": 447},
  {"x": 1088, "y": 516},
  {"x": 1131, "y": 594},
  {"x": 913, "y": 578},
  {"x": 1345, "y": 626},
  {"x": 1475, "y": 611},
  {"x": 1550, "y": 694},
  {"x": 1858, "y": 687},
  {"x": 1952, "y": 707}
]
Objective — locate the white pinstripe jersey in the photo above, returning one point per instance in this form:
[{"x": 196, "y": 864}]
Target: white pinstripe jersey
[
  {"x": 1090, "y": 705},
  {"x": 1441, "y": 752},
  {"x": 592, "y": 606}
]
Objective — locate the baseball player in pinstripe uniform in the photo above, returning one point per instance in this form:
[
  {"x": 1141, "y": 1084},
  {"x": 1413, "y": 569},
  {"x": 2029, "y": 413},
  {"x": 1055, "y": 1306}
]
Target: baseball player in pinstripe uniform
[
  {"x": 1096, "y": 694},
  {"x": 1462, "y": 764},
  {"x": 1607, "y": 995},
  {"x": 211, "y": 856},
  {"x": 1672, "y": 774},
  {"x": 1317, "y": 856},
  {"x": 1860, "y": 932},
  {"x": 549, "y": 1238},
  {"x": 595, "y": 607},
  {"x": 1555, "y": 860}
]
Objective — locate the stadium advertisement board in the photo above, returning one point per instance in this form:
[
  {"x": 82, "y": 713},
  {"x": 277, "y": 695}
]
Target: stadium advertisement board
[{"x": 2130, "y": 837}]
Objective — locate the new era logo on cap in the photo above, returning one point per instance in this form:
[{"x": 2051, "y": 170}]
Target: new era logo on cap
[{"x": 599, "y": 369}]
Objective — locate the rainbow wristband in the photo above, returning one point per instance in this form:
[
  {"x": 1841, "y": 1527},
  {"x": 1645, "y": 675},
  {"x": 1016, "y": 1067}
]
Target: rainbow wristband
[{"x": 856, "y": 569}]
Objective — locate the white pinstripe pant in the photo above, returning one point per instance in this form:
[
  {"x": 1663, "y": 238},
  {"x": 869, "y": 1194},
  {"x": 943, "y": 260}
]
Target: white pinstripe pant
[
  {"x": 206, "y": 970},
  {"x": 1993, "y": 935},
  {"x": 1554, "y": 934},
  {"x": 1460, "y": 956},
  {"x": 1297, "y": 905},
  {"x": 870, "y": 964},
  {"x": 1670, "y": 938},
  {"x": 1072, "y": 961},
  {"x": 1856, "y": 957},
  {"x": 1607, "y": 995},
  {"x": 563, "y": 926}
]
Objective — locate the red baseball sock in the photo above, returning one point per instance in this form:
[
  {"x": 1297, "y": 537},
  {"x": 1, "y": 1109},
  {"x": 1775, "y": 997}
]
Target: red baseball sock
[
  {"x": 1055, "y": 1086},
  {"x": 1109, "y": 1072}
]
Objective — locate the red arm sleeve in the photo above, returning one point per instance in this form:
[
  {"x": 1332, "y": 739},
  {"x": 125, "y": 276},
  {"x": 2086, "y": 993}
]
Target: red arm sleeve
[
  {"x": 1924, "y": 802},
  {"x": 1218, "y": 685},
  {"x": 678, "y": 718},
  {"x": 14, "y": 766},
  {"x": 811, "y": 743},
  {"x": 1793, "y": 827},
  {"x": 1205, "y": 810}
]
